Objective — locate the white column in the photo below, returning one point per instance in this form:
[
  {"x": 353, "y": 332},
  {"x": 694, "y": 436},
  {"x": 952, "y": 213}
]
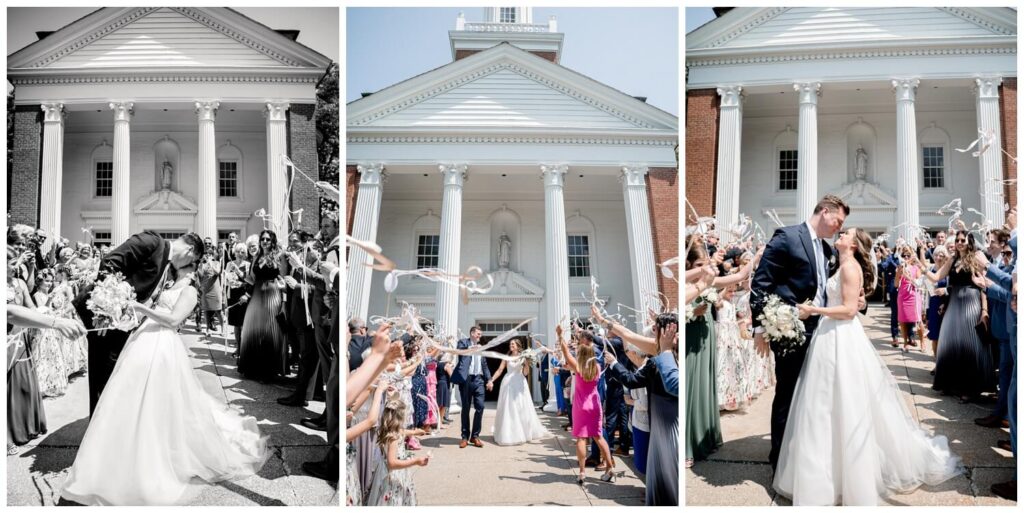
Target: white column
[
  {"x": 727, "y": 186},
  {"x": 807, "y": 150},
  {"x": 641, "y": 242},
  {"x": 52, "y": 174},
  {"x": 990, "y": 163},
  {"x": 556, "y": 252},
  {"x": 364, "y": 227},
  {"x": 206, "y": 220},
  {"x": 121, "y": 207},
  {"x": 277, "y": 178},
  {"x": 907, "y": 187},
  {"x": 447, "y": 296}
]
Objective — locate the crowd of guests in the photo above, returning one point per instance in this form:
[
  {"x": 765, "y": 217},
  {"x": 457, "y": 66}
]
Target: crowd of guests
[
  {"x": 616, "y": 388},
  {"x": 957, "y": 292},
  {"x": 279, "y": 301}
]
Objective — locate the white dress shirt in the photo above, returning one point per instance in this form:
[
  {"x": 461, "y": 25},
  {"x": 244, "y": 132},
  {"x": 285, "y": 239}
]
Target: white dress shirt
[{"x": 819, "y": 264}]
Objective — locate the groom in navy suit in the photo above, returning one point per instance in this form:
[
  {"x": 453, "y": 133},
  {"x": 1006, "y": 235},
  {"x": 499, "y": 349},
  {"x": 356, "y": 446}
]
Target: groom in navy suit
[
  {"x": 795, "y": 266},
  {"x": 470, "y": 375}
]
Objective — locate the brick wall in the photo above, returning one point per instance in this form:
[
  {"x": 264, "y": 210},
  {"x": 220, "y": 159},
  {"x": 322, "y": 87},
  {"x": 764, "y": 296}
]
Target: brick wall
[
  {"x": 701, "y": 150},
  {"x": 351, "y": 188},
  {"x": 1008, "y": 116},
  {"x": 24, "y": 186},
  {"x": 663, "y": 199},
  {"x": 302, "y": 150},
  {"x": 462, "y": 54}
]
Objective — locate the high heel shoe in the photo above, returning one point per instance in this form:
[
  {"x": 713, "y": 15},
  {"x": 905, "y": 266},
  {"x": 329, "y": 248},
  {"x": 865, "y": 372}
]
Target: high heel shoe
[
  {"x": 608, "y": 477},
  {"x": 579, "y": 479}
]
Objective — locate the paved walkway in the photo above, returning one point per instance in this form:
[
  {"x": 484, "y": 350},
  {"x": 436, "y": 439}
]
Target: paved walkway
[
  {"x": 739, "y": 474},
  {"x": 36, "y": 473},
  {"x": 538, "y": 473}
]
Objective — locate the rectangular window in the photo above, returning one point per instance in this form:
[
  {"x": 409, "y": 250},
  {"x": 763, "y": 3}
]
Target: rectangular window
[
  {"x": 933, "y": 163},
  {"x": 104, "y": 179},
  {"x": 222, "y": 236},
  {"x": 427, "y": 249},
  {"x": 497, "y": 328},
  {"x": 787, "y": 170},
  {"x": 170, "y": 235},
  {"x": 228, "y": 179},
  {"x": 579, "y": 256},
  {"x": 101, "y": 238},
  {"x": 507, "y": 14}
]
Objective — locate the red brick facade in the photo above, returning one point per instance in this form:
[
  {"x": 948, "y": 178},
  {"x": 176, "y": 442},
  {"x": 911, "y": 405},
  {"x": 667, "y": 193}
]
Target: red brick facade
[
  {"x": 23, "y": 189},
  {"x": 302, "y": 151},
  {"x": 462, "y": 54},
  {"x": 701, "y": 150},
  {"x": 663, "y": 202},
  {"x": 1008, "y": 115}
]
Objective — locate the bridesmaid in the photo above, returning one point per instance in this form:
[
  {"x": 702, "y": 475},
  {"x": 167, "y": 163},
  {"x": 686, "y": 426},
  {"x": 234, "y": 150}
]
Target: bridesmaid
[
  {"x": 262, "y": 348},
  {"x": 25, "y": 417},
  {"x": 703, "y": 426}
]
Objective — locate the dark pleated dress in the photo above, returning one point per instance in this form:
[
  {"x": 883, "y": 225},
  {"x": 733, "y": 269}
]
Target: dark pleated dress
[
  {"x": 25, "y": 417},
  {"x": 703, "y": 426},
  {"x": 262, "y": 352},
  {"x": 963, "y": 365}
]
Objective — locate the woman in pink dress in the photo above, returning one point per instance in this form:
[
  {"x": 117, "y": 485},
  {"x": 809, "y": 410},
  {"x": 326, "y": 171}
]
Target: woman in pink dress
[
  {"x": 908, "y": 301},
  {"x": 587, "y": 414}
]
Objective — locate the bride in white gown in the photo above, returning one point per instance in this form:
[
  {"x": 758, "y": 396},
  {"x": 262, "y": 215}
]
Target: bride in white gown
[
  {"x": 849, "y": 437},
  {"x": 156, "y": 436},
  {"x": 515, "y": 419}
]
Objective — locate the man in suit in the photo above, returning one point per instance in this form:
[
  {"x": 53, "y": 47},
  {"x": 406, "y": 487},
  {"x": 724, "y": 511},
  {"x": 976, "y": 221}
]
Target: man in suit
[
  {"x": 144, "y": 261},
  {"x": 303, "y": 313},
  {"x": 999, "y": 329},
  {"x": 795, "y": 266},
  {"x": 470, "y": 375}
]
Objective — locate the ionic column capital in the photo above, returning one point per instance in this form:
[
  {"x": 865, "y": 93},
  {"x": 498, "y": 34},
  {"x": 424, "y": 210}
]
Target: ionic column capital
[
  {"x": 732, "y": 96},
  {"x": 553, "y": 174},
  {"x": 207, "y": 110},
  {"x": 987, "y": 88},
  {"x": 809, "y": 92},
  {"x": 633, "y": 176},
  {"x": 53, "y": 112},
  {"x": 905, "y": 89},
  {"x": 276, "y": 111},
  {"x": 122, "y": 110},
  {"x": 371, "y": 174},
  {"x": 453, "y": 174}
]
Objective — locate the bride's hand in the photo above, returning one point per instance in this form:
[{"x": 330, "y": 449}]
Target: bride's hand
[{"x": 805, "y": 310}]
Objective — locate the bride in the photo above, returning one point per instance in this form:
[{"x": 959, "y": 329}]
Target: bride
[
  {"x": 156, "y": 435},
  {"x": 850, "y": 439},
  {"x": 515, "y": 419}
]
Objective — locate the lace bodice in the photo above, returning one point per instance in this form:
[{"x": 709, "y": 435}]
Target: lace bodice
[
  {"x": 834, "y": 290},
  {"x": 168, "y": 298}
]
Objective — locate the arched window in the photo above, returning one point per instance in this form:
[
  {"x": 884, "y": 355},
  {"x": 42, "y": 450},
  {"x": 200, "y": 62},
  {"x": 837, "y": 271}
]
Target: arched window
[
  {"x": 934, "y": 160},
  {"x": 103, "y": 171},
  {"x": 786, "y": 160},
  {"x": 229, "y": 171},
  {"x": 581, "y": 246},
  {"x": 427, "y": 241}
]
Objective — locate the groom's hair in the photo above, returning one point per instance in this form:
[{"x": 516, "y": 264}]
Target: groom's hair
[
  {"x": 193, "y": 239},
  {"x": 832, "y": 202}
]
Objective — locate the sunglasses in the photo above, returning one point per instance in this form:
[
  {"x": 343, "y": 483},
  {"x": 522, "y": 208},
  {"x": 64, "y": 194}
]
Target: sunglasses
[{"x": 266, "y": 239}]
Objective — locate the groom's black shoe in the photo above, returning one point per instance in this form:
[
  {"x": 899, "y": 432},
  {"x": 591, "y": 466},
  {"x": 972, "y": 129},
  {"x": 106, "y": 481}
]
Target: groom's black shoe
[
  {"x": 1007, "y": 490},
  {"x": 292, "y": 400},
  {"x": 318, "y": 423},
  {"x": 320, "y": 470},
  {"x": 991, "y": 421}
]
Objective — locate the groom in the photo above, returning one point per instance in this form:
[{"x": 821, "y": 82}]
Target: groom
[
  {"x": 470, "y": 375},
  {"x": 795, "y": 266},
  {"x": 143, "y": 260}
]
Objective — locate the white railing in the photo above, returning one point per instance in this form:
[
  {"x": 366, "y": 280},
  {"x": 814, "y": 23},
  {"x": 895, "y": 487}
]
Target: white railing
[{"x": 507, "y": 27}]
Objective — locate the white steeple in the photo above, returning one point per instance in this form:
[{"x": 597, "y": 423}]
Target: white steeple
[{"x": 513, "y": 25}]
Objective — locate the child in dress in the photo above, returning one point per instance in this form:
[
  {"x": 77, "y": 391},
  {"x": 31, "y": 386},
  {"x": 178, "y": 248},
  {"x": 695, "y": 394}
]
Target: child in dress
[
  {"x": 392, "y": 483},
  {"x": 731, "y": 370}
]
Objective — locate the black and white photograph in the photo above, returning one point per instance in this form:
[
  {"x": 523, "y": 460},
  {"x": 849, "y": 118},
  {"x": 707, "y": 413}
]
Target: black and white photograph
[{"x": 173, "y": 256}]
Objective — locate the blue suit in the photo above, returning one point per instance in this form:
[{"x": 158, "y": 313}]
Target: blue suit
[
  {"x": 998, "y": 306},
  {"x": 669, "y": 370},
  {"x": 471, "y": 388},
  {"x": 616, "y": 412},
  {"x": 1004, "y": 279}
]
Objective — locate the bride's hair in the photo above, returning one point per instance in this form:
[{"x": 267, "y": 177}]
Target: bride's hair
[
  {"x": 391, "y": 421},
  {"x": 862, "y": 254}
]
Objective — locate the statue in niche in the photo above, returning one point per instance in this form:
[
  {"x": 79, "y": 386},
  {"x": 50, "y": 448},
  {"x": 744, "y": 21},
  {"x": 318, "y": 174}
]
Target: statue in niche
[
  {"x": 166, "y": 175},
  {"x": 504, "y": 251},
  {"x": 861, "y": 159}
]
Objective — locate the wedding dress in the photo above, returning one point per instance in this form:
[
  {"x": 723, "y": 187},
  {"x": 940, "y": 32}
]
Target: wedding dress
[
  {"x": 849, "y": 437},
  {"x": 516, "y": 419},
  {"x": 156, "y": 436}
]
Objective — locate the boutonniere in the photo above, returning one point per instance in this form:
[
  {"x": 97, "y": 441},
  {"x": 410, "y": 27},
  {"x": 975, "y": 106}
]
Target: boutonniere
[{"x": 832, "y": 260}]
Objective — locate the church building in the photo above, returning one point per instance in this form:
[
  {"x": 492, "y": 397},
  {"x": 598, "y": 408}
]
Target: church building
[
  {"x": 170, "y": 119},
  {"x": 507, "y": 160},
  {"x": 785, "y": 105}
]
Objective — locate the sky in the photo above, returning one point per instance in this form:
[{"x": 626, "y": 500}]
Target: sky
[
  {"x": 634, "y": 50},
  {"x": 697, "y": 16},
  {"x": 318, "y": 26}
]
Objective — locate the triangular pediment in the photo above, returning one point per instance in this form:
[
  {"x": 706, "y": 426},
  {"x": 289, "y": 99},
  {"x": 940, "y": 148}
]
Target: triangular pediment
[
  {"x": 505, "y": 87},
  {"x": 166, "y": 201},
  {"x": 165, "y": 37},
  {"x": 745, "y": 28}
]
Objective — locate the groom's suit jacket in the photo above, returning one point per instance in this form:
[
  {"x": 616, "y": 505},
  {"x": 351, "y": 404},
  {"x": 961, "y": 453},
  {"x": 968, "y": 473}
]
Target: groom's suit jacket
[
  {"x": 787, "y": 269},
  {"x": 141, "y": 260},
  {"x": 461, "y": 372}
]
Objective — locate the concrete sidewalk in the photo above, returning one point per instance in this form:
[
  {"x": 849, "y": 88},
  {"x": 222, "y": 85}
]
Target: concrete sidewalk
[
  {"x": 739, "y": 473},
  {"x": 36, "y": 473},
  {"x": 538, "y": 473}
]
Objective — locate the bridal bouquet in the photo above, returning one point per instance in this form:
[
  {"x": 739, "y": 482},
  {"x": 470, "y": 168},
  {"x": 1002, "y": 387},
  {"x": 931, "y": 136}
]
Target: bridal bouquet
[
  {"x": 690, "y": 312},
  {"x": 109, "y": 302},
  {"x": 782, "y": 325}
]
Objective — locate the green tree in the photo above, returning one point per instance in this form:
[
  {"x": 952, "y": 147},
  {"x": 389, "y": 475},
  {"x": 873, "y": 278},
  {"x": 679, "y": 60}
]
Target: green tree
[{"x": 328, "y": 136}]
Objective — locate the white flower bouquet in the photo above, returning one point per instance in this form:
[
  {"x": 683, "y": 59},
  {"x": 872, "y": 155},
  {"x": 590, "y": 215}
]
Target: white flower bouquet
[
  {"x": 709, "y": 296},
  {"x": 109, "y": 301},
  {"x": 782, "y": 325},
  {"x": 690, "y": 314}
]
